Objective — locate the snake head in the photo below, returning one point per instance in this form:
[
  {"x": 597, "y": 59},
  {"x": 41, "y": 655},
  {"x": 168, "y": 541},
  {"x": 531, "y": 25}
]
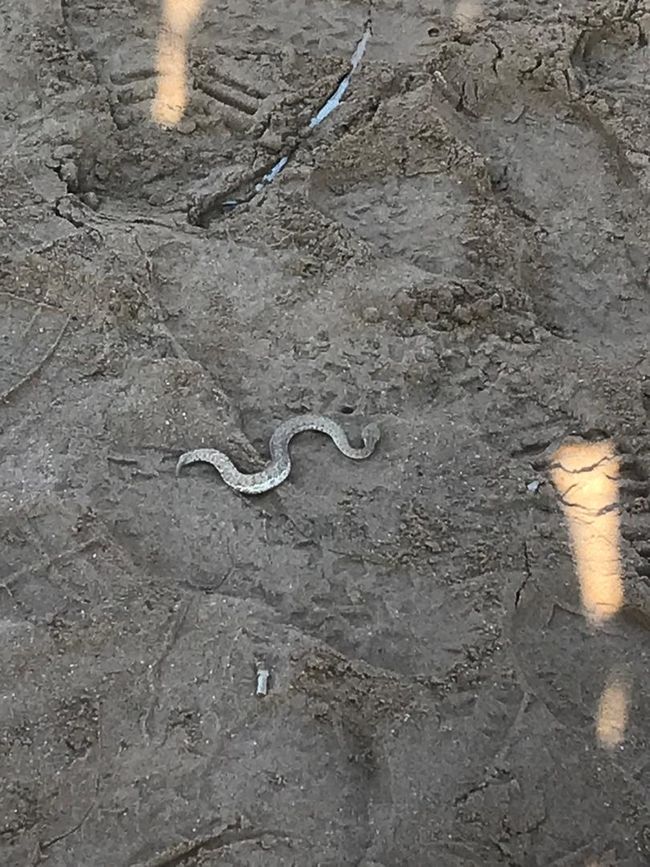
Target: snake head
[{"x": 370, "y": 435}]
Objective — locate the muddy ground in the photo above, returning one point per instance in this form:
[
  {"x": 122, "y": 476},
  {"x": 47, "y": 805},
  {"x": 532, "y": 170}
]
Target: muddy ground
[{"x": 459, "y": 253}]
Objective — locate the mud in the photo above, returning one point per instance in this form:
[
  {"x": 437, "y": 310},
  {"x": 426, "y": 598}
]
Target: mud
[{"x": 458, "y": 252}]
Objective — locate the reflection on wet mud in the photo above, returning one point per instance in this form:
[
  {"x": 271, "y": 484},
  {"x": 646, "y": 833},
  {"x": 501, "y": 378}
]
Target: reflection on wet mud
[
  {"x": 585, "y": 476},
  {"x": 611, "y": 719},
  {"x": 467, "y": 11},
  {"x": 170, "y": 100}
]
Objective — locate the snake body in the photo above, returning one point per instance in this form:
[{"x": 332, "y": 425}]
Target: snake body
[{"x": 280, "y": 466}]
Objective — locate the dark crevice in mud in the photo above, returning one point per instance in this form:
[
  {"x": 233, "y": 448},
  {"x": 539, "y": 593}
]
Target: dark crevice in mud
[
  {"x": 219, "y": 204},
  {"x": 497, "y": 57},
  {"x": 533, "y": 448}
]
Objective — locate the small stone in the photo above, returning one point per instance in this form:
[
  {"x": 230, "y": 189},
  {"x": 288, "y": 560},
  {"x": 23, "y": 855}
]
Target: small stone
[
  {"x": 69, "y": 175},
  {"x": 371, "y": 314},
  {"x": 601, "y": 107},
  {"x": 454, "y": 361},
  {"x": 160, "y": 197},
  {"x": 63, "y": 152},
  {"x": 482, "y": 308},
  {"x": 637, "y": 159},
  {"x": 511, "y": 12},
  {"x": 122, "y": 119},
  {"x": 91, "y": 199},
  {"x": 405, "y": 305},
  {"x": 425, "y": 354},
  {"x": 186, "y": 126},
  {"x": 445, "y": 300},
  {"x": 271, "y": 141},
  {"x": 462, "y": 315},
  {"x": 429, "y": 312}
]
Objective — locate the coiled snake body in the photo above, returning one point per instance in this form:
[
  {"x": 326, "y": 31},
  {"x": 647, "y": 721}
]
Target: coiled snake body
[{"x": 280, "y": 467}]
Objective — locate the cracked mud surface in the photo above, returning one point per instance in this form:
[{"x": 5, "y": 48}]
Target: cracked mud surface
[{"x": 459, "y": 253}]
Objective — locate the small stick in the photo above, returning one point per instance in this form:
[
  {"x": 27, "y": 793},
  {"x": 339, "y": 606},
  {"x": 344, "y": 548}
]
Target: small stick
[
  {"x": 4, "y": 397},
  {"x": 14, "y": 297}
]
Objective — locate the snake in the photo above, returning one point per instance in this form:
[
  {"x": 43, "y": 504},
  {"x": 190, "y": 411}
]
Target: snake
[{"x": 280, "y": 465}]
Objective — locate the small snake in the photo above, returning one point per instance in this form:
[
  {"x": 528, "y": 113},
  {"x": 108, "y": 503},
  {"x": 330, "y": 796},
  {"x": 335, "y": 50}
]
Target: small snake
[{"x": 280, "y": 467}]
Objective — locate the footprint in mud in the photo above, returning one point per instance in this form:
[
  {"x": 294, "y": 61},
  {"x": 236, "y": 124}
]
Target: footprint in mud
[
  {"x": 196, "y": 96},
  {"x": 614, "y": 56},
  {"x": 421, "y": 219}
]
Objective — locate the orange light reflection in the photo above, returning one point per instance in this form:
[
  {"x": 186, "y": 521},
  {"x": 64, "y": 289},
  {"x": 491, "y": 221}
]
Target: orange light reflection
[
  {"x": 611, "y": 720},
  {"x": 171, "y": 97},
  {"x": 585, "y": 476}
]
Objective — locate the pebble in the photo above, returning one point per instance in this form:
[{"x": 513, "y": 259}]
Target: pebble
[
  {"x": 405, "y": 305},
  {"x": 271, "y": 141},
  {"x": 63, "y": 152},
  {"x": 91, "y": 199},
  {"x": 160, "y": 197},
  {"x": 186, "y": 126},
  {"x": 69, "y": 175},
  {"x": 512, "y": 12}
]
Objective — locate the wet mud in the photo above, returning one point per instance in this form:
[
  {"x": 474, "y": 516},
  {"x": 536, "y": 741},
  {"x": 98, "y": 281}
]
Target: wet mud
[{"x": 458, "y": 252}]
